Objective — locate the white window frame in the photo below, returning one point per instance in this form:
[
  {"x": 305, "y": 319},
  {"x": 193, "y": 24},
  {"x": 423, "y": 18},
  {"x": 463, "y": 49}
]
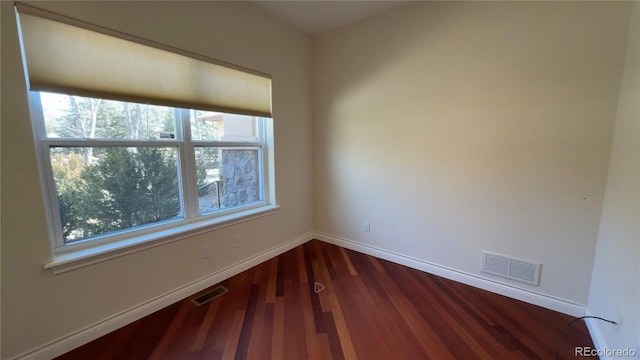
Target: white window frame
[{"x": 68, "y": 256}]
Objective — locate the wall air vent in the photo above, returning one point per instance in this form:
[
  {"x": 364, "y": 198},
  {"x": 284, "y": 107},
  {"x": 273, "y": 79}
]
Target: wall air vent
[
  {"x": 210, "y": 295},
  {"x": 511, "y": 268}
]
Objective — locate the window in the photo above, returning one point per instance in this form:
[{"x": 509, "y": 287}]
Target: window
[
  {"x": 126, "y": 152},
  {"x": 116, "y": 166}
]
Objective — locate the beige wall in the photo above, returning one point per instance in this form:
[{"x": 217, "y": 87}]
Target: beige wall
[
  {"x": 38, "y": 307},
  {"x": 615, "y": 283},
  {"x": 458, "y": 127}
]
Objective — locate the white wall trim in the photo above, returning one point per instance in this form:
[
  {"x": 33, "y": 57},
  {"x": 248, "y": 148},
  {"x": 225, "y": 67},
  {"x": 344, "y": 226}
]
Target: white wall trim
[
  {"x": 593, "y": 325},
  {"x": 546, "y": 301},
  {"x": 599, "y": 340},
  {"x": 103, "y": 327}
]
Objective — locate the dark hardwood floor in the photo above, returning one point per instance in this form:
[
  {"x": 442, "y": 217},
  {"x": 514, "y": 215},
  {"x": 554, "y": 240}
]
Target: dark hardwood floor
[{"x": 370, "y": 309}]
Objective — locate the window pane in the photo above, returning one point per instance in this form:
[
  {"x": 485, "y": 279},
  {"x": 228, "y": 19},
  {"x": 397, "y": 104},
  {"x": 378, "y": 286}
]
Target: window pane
[
  {"x": 105, "y": 189},
  {"x": 68, "y": 116},
  {"x": 228, "y": 177},
  {"x": 208, "y": 125}
]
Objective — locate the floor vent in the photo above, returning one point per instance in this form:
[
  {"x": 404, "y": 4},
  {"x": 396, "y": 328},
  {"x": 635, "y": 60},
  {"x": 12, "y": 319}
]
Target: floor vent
[
  {"x": 210, "y": 295},
  {"x": 511, "y": 268}
]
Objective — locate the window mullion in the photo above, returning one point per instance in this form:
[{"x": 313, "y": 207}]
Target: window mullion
[
  {"x": 188, "y": 168},
  {"x": 107, "y": 143},
  {"x": 218, "y": 143},
  {"x": 263, "y": 159}
]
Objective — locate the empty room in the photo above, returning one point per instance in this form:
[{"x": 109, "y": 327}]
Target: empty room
[{"x": 320, "y": 180}]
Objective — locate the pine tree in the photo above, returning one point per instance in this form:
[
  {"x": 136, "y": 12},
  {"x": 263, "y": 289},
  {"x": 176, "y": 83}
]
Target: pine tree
[
  {"x": 110, "y": 193},
  {"x": 159, "y": 183}
]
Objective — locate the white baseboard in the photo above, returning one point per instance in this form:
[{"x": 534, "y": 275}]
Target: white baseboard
[
  {"x": 595, "y": 327},
  {"x": 597, "y": 337},
  {"x": 528, "y": 296},
  {"x": 101, "y": 328}
]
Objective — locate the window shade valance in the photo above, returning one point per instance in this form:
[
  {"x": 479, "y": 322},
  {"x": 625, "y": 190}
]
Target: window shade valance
[{"x": 66, "y": 55}]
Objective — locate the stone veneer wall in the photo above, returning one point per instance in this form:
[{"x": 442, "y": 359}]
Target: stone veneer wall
[{"x": 239, "y": 175}]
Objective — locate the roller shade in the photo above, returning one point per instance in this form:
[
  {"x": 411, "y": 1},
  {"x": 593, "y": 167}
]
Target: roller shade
[{"x": 66, "y": 55}]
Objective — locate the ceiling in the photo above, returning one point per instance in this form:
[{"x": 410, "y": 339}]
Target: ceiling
[{"x": 318, "y": 17}]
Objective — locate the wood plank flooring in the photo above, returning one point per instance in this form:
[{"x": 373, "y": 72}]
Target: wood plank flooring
[{"x": 370, "y": 309}]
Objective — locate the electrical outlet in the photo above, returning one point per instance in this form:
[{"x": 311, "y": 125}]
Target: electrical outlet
[
  {"x": 236, "y": 241},
  {"x": 205, "y": 251},
  {"x": 366, "y": 226}
]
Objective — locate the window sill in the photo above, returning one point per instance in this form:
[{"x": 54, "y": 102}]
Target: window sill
[{"x": 73, "y": 260}]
